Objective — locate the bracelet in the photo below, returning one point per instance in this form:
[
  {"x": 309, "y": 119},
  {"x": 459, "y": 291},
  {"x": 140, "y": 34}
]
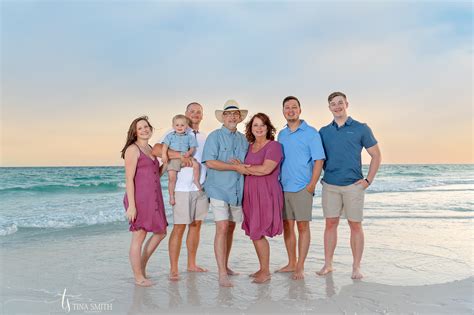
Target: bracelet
[{"x": 367, "y": 181}]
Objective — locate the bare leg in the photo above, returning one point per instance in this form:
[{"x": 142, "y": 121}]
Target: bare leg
[
  {"x": 135, "y": 258},
  {"x": 171, "y": 185},
  {"x": 192, "y": 243},
  {"x": 230, "y": 238},
  {"x": 263, "y": 253},
  {"x": 290, "y": 243},
  {"x": 357, "y": 246},
  {"x": 304, "y": 240},
  {"x": 330, "y": 242},
  {"x": 149, "y": 249},
  {"x": 197, "y": 174},
  {"x": 174, "y": 248},
  {"x": 220, "y": 250}
]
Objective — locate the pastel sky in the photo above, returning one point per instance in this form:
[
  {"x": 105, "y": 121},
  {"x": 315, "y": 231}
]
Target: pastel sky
[{"x": 74, "y": 74}]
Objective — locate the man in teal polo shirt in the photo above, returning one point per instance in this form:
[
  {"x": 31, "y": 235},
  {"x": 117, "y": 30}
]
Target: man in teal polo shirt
[
  {"x": 300, "y": 171},
  {"x": 343, "y": 183},
  {"x": 224, "y": 184}
]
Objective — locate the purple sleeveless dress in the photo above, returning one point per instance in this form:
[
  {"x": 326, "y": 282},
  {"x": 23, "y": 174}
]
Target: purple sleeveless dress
[
  {"x": 263, "y": 196},
  {"x": 148, "y": 197}
]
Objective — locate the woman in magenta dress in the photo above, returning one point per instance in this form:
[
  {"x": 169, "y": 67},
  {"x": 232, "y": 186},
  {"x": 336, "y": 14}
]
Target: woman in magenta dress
[
  {"x": 143, "y": 199},
  {"x": 263, "y": 197}
]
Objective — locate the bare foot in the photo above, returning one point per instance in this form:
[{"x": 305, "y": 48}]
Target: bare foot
[
  {"x": 224, "y": 281},
  {"x": 287, "y": 268},
  {"x": 262, "y": 278},
  {"x": 356, "y": 274},
  {"x": 255, "y": 274},
  {"x": 174, "y": 276},
  {"x": 325, "y": 270},
  {"x": 230, "y": 272},
  {"x": 197, "y": 269},
  {"x": 298, "y": 274},
  {"x": 143, "y": 283}
]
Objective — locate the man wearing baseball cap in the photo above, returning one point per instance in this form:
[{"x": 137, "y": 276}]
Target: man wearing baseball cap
[{"x": 224, "y": 148}]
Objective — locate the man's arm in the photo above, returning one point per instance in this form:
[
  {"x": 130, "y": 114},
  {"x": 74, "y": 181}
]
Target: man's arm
[
  {"x": 376, "y": 159},
  {"x": 157, "y": 151},
  {"x": 317, "y": 168},
  {"x": 264, "y": 169},
  {"x": 223, "y": 166}
]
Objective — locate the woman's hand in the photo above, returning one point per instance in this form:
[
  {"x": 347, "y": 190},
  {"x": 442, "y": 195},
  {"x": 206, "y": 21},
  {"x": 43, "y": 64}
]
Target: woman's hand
[
  {"x": 131, "y": 213},
  {"x": 242, "y": 169},
  {"x": 164, "y": 159}
]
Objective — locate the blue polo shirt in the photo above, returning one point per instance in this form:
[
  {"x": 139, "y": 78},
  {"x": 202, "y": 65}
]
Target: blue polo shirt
[
  {"x": 300, "y": 149},
  {"x": 343, "y": 146},
  {"x": 224, "y": 145}
]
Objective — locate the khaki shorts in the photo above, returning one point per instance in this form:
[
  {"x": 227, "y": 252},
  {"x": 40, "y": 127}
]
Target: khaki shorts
[
  {"x": 190, "y": 206},
  {"x": 298, "y": 205},
  {"x": 174, "y": 165},
  {"x": 349, "y": 200},
  {"x": 224, "y": 211}
]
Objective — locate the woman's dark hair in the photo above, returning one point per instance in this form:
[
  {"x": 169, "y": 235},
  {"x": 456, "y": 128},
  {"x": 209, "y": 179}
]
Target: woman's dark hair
[
  {"x": 132, "y": 133},
  {"x": 271, "y": 130}
]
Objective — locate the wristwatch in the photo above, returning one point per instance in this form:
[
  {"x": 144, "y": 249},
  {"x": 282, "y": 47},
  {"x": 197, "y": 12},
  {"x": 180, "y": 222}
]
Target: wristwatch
[{"x": 367, "y": 181}]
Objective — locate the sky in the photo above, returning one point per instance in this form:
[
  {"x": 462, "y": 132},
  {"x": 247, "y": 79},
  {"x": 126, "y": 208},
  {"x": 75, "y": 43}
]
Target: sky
[{"x": 74, "y": 74}]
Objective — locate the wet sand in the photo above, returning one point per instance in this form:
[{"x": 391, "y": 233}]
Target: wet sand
[{"x": 87, "y": 270}]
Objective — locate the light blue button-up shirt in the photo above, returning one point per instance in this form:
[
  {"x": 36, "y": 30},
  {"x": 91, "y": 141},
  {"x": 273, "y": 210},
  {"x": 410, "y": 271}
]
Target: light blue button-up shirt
[
  {"x": 224, "y": 145},
  {"x": 300, "y": 149},
  {"x": 180, "y": 142}
]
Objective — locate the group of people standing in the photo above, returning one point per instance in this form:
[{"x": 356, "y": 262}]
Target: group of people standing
[{"x": 267, "y": 185}]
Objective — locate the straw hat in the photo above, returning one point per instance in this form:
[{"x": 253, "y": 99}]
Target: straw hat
[{"x": 231, "y": 105}]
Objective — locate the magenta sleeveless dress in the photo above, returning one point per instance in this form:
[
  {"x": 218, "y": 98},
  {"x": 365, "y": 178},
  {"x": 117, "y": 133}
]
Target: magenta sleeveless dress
[
  {"x": 148, "y": 197},
  {"x": 262, "y": 203}
]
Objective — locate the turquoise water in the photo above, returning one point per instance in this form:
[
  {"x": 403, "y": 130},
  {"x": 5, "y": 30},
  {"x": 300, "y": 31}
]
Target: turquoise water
[{"x": 34, "y": 199}]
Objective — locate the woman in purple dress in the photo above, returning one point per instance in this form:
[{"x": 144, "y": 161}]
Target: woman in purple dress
[
  {"x": 263, "y": 197},
  {"x": 143, "y": 199}
]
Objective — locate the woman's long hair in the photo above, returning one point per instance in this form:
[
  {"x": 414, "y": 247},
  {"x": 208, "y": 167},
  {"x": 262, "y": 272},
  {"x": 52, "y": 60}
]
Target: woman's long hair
[
  {"x": 132, "y": 133},
  {"x": 271, "y": 130}
]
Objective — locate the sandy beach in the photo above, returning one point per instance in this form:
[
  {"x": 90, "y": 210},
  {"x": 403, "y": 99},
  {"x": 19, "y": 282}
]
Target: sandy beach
[
  {"x": 89, "y": 270},
  {"x": 64, "y": 249}
]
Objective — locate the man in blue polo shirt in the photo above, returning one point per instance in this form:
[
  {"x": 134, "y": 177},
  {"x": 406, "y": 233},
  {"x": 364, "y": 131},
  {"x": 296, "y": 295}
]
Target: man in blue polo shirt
[
  {"x": 300, "y": 171},
  {"x": 343, "y": 183},
  {"x": 224, "y": 184}
]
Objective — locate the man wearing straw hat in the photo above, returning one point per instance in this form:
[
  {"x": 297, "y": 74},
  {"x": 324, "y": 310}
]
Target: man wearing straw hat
[{"x": 224, "y": 148}]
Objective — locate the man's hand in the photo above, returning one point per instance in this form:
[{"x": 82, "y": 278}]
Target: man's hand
[
  {"x": 310, "y": 188},
  {"x": 362, "y": 182},
  {"x": 242, "y": 169},
  {"x": 186, "y": 161}
]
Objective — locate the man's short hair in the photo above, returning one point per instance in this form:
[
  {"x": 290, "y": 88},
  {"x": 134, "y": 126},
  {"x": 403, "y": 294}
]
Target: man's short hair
[
  {"x": 334, "y": 94},
  {"x": 191, "y": 104},
  {"x": 289, "y": 98}
]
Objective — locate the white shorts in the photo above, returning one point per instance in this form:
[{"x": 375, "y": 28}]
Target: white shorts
[{"x": 224, "y": 211}]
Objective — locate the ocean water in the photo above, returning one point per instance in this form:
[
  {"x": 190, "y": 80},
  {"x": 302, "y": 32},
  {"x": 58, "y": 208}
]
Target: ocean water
[
  {"x": 38, "y": 199},
  {"x": 64, "y": 229}
]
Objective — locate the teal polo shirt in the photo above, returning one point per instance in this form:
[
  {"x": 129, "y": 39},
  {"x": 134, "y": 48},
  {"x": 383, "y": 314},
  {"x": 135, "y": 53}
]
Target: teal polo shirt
[
  {"x": 343, "y": 146},
  {"x": 224, "y": 145},
  {"x": 300, "y": 149}
]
